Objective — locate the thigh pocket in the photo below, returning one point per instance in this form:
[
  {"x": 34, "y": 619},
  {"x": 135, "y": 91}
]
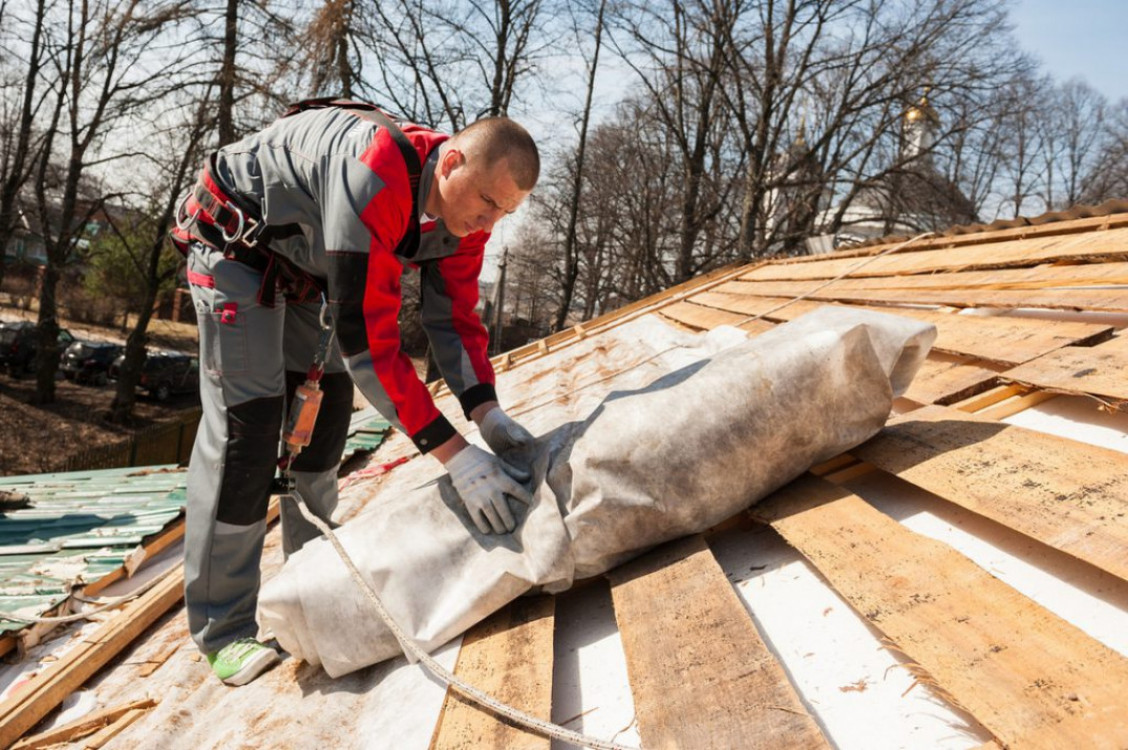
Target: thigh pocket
[{"x": 222, "y": 306}]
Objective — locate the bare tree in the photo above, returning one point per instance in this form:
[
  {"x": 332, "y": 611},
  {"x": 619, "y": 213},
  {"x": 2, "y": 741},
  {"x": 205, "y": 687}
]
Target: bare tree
[
  {"x": 104, "y": 57},
  {"x": 570, "y": 261},
  {"x": 853, "y": 70},
  {"x": 335, "y": 33},
  {"x": 18, "y": 153},
  {"x": 1077, "y": 112},
  {"x": 1107, "y": 178},
  {"x": 679, "y": 51},
  {"x": 441, "y": 62},
  {"x": 146, "y": 245}
]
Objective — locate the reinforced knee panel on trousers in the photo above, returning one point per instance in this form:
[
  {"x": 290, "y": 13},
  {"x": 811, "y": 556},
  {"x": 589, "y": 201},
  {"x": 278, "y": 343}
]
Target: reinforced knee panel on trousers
[
  {"x": 331, "y": 429},
  {"x": 253, "y": 430}
]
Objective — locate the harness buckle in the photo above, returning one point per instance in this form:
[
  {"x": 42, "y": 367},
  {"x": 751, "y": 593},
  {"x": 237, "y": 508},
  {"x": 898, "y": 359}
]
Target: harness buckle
[
  {"x": 238, "y": 233},
  {"x": 183, "y": 225},
  {"x": 251, "y": 235}
]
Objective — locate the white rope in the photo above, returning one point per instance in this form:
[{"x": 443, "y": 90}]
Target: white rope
[{"x": 448, "y": 678}]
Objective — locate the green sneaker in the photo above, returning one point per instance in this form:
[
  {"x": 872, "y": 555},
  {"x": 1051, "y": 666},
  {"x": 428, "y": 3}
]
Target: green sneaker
[{"x": 241, "y": 661}]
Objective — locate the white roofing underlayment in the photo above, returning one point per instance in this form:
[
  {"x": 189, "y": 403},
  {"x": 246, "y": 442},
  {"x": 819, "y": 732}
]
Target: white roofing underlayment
[{"x": 856, "y": 688}]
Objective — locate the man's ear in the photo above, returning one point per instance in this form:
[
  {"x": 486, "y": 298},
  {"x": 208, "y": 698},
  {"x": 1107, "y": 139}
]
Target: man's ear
[{"x": 451, "y": 160}]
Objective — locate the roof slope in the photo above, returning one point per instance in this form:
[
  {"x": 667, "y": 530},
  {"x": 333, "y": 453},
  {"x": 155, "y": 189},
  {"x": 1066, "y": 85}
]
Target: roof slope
[{"x": 979, "y": 539}]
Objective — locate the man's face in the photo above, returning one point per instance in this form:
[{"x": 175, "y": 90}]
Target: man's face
[{"x": 473, "y": 195}]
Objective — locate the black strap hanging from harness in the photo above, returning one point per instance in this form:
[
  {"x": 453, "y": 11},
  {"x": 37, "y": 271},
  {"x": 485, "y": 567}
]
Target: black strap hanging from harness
[
  {"x": 228, "y": 222},
  {"x": 409, "y": 245}
]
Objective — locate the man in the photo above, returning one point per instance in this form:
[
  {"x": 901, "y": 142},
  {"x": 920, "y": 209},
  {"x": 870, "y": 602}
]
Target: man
[{"x": 334, "y": 198}]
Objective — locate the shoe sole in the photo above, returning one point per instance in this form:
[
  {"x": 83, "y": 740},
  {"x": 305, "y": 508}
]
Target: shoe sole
[{"x": 261, "y": 662}]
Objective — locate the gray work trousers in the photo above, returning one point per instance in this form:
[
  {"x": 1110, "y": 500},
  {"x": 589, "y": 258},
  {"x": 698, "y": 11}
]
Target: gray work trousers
[{"x": 251, "y": 359}]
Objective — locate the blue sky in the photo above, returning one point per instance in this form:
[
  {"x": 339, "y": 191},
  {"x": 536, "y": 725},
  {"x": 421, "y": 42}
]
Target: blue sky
[{"x": 1084, "y": 38}]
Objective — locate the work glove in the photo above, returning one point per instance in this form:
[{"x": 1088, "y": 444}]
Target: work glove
[
  {"x": 485, "y": 482},
  {"x": 505, "y": 437}
]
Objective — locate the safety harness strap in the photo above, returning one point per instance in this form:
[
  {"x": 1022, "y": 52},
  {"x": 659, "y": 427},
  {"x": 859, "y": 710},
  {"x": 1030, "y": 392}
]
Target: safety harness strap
[{"x": 245, "y": 238}]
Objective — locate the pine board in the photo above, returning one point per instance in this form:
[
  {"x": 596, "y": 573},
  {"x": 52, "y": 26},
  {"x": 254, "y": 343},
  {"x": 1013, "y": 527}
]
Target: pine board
[
  {"x": 995, "y": 338},
  {"x": 1033, "y": 679},
  {"x": 1069, "y": 495},
  {"x": 1111, "y": 243},
  {"x": 940, "y": 381},
  {"x": 700, "y": 675},
  {"x": 704, "y": 318},
  {"x": 1106, "y": 300},
  {"x": 50, "y": 686},
  {"x": 1098, "y": 369},
  {"x": 509, "y": 656},
  {"x": 1036, "y": 277}
]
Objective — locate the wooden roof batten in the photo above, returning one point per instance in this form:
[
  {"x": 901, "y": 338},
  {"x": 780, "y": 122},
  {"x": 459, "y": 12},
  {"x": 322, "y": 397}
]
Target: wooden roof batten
[{"x": 1026, "y": 676}]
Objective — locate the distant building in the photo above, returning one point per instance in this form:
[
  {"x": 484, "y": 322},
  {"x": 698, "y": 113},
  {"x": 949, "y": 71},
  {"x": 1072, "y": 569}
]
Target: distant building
[
  {"x": 911, "y": 198},
  {"x": 25, "y": 246},
  {"x": 799, "y": 188}
]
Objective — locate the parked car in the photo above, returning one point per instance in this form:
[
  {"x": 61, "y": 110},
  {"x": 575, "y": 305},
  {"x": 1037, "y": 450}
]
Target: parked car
[
  {"x": 19, "y": 345},
  {"x": 89, "y": 361},
  {"x": 165, "y": 373}
]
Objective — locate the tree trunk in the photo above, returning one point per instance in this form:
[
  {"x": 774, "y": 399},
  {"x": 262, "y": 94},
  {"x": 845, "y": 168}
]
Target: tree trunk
[
  {"x": 16, "y": 172},
  {"x": 47, "y": 359},
  {"x": 571, "y": 256},
  {"x": 226, "y": 115}
]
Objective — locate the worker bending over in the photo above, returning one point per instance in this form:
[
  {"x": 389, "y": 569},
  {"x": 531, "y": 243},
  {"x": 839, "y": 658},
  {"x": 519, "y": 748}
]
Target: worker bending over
[{"x": 334, "y": 199}]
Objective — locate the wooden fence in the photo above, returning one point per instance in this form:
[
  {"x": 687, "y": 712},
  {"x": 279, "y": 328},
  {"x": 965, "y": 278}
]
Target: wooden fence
[{"x": 168, "y": 443}]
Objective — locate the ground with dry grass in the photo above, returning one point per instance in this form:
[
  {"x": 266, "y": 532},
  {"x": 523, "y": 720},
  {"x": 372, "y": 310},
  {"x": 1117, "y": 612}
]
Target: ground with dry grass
[{"x": 37, "y": 439}]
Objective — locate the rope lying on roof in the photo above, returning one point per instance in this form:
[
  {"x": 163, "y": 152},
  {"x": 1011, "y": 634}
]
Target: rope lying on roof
[{"x": 545, "y": 728}]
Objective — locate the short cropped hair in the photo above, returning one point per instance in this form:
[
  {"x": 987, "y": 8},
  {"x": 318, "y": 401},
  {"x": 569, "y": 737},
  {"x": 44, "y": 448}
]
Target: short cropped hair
[{"x": 496, "y": 138}]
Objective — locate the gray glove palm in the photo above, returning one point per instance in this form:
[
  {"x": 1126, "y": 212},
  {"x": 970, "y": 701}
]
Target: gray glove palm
[
  {"x": 505, "y": 437},
  {"x": 485, "y": 482}
]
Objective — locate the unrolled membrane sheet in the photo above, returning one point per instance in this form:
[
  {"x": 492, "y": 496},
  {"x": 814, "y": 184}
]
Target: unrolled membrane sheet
[{"x": 721, "y": 426}]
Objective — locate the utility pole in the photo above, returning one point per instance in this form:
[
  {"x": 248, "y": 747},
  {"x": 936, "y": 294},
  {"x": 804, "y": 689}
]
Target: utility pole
[{"x": 499, "y": 302}]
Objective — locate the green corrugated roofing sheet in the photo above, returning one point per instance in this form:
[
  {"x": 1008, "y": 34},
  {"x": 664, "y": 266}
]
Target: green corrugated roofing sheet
[
  {"x": 80, "y": 524},
  {"x": 368, "y": 431},
  {"x": 85, "y": 524}
]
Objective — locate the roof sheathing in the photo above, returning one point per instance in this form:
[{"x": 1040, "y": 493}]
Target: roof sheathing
[{"x": 907, "y": 610}]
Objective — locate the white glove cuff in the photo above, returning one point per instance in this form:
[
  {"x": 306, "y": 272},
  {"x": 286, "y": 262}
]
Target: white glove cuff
[{"x": 466, "y": 461}]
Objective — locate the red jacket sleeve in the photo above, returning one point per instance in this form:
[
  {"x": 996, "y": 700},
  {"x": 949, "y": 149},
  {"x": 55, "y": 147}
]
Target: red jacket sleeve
[
  {"x": 459, "y": 341},
  {"x": 364, "y": 284}
]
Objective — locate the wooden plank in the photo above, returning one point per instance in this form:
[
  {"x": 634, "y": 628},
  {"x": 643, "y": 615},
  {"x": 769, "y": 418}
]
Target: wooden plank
[
  {"x": 60, "y": 679},
  {"x": 700, "y": 675},
  {"x": 988, "y": 398},
  {"x": 1031, "y": 678},
  {"x": 1069, "y": 495},
  {"x": 984, "y": 236},
  {"x": 1013, "y": 406},
  {"x": 88, "y": 724},
  {"x": 700, "y": 317},
  {"x": 944, "y": 381},
  {"x": 1111, "y": 244},
  {"x": 1035, "y": 277},
  {"x": 100, "y": 739},
  {"x": 1107, "y": 300},
  {"x": 1084, "y": 370},
  {"x": 509, "y": 655},
  {"x": 995, "y": 338}
]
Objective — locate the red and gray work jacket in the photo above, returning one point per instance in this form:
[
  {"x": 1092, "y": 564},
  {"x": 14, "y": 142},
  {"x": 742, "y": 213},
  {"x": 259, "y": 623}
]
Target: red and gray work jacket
[{"x": 343, "y": 180}]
